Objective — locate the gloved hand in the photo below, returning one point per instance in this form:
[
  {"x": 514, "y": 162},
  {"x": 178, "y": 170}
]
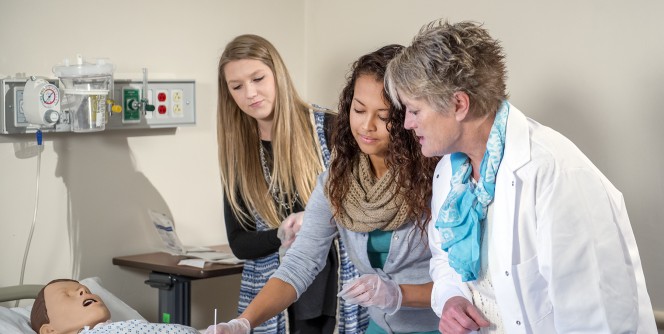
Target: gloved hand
[
  {"x": 235, "y": 326},
  {"x": 288, "y": 229},
  {"x": 371, "y": 290}
]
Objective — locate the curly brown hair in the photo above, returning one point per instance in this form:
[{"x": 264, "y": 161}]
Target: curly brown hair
[{"x": 410, "y": 168}]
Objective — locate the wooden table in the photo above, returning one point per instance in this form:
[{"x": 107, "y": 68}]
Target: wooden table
[{"x": 174, "y": 281}]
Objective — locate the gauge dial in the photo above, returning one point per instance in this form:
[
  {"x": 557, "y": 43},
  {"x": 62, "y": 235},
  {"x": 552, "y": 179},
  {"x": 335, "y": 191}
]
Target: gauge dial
[{"x": 49, "y": 96}]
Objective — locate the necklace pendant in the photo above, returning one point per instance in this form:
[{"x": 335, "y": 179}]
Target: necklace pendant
[{"x": 274, "y": 190}]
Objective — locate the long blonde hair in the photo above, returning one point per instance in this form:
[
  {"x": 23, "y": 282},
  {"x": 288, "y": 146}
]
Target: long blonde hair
[{"x": 296, "y": 154}]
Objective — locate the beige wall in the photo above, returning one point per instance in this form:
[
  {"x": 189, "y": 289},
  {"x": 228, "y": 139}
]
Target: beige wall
[
  {"x": 96, "y": 188},
  {"x": 592, "y": 70}
]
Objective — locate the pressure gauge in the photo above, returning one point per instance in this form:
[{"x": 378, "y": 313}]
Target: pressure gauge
[
  {"x": 41, "y": 102},
  {"x": 49, "y": 95}
]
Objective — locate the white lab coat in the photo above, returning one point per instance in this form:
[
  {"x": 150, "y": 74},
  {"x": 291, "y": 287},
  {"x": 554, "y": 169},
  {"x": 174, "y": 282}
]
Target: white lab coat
[{"x": 563, "y": 254}]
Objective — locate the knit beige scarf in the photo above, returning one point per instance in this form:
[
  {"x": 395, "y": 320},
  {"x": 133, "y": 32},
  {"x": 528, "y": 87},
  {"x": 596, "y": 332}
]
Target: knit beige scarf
[{"x": 370, "y": 203}]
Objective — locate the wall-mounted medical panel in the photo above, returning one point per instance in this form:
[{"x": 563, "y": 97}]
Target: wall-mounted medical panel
[
  {"x": 169, "y": 104},
  {"x": 174, "y": 104},
  {"x": 12, "y": 117}
]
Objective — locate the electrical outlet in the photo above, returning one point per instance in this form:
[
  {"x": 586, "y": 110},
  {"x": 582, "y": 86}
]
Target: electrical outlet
[
  {"x": 161, "y": 102},
  {"x": 177, "y": 99},
  {"x": 177, "y": 110},
  {"x": 177, "y": 95}
]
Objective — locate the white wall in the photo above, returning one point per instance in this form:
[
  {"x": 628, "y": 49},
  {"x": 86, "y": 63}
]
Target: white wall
[
  {"x": 592, "y": 70},
  {"x": 99, "y": 186}
]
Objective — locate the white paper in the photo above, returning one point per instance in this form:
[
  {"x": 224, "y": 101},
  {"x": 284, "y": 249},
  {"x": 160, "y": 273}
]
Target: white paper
[
  {"x": 166, "y": 230},
  {"x": 199, "y": 255},
  {"x": 198, "y": 263}
]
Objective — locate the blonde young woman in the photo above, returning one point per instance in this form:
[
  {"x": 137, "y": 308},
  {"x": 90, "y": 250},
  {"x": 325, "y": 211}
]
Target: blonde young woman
[{"x": 272, "y": 146}]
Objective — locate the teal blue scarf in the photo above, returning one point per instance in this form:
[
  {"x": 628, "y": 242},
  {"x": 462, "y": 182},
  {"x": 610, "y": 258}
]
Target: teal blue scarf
[{"x": 459, "y": 220}]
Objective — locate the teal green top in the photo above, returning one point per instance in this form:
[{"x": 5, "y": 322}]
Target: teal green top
[{"x": 378, "y": 246}]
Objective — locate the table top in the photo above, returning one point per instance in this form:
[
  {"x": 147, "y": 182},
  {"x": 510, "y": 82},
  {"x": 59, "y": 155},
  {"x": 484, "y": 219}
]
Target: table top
[{"x": 167, "y": 263}]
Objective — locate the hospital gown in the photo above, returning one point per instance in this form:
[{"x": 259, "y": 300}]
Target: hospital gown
[{"x": 139, "y": 327}]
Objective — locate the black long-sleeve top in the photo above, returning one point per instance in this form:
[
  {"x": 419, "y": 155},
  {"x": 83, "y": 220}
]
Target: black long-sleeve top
[
  {"x": 319, "y": 300},
  {"x": 249, "y": 244}
]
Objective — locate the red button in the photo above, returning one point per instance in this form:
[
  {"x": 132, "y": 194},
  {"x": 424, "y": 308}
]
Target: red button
[
  {"x": 161, "y": 97},
  {"x": 162, "y": 109}
]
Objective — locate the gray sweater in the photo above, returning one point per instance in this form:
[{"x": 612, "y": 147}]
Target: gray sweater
[{"x": 407, "y": 261}]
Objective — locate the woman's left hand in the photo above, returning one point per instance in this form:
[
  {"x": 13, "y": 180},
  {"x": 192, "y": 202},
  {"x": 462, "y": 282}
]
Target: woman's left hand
[{"x": 289, "y": 228}]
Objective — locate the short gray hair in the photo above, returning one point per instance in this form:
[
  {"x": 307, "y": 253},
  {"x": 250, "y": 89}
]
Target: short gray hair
[{"x": 446, "y": 58}]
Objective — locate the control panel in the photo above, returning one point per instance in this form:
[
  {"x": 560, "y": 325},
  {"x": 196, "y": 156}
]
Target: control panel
[{"x": 174, "y": 104}]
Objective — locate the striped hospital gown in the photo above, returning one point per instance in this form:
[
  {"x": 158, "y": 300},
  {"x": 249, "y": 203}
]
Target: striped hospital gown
[{"x": 139, "y": 327}]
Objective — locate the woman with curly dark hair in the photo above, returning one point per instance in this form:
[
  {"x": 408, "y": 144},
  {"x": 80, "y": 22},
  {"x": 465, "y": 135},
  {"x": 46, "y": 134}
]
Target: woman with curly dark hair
[
  {"x": 375, "y": 197},
  {"x": 404, "y": 156}
]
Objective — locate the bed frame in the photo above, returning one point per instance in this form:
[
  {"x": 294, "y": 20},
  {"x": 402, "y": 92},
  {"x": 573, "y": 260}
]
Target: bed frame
[{"x": 18, "y": 292}]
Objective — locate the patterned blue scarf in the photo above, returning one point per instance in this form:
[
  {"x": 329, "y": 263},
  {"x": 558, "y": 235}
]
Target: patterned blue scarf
[{"x": 459, "y": 220}]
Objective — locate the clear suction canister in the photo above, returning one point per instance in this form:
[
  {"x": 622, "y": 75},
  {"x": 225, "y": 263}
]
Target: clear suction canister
[
  {"x": 86, "y": 89},
  {"x": 87, "y": 109}
]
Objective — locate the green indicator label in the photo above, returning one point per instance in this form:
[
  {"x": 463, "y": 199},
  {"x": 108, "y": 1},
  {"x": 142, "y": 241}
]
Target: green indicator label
[
  {"x": 166, "y": 318},
  {"x": 131, "y": 98}
]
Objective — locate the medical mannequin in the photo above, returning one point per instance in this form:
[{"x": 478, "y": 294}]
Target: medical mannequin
[
  {"x": 65, "y": 306},
  {"x": 374, "y": 196},
  {"x": 527, "y": 235}
]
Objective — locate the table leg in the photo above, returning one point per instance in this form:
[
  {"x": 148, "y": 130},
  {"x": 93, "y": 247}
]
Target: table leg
[{"x": 174, "y": 297}]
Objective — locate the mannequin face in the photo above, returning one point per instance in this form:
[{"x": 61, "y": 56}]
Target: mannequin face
[{"x": 71, "y": 307}]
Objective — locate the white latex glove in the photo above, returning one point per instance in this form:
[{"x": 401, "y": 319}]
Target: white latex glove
[
  {"x": 288, "y": 229},
  {"x": 235, "y": 326},
  {"x": 371, "y": 290}
]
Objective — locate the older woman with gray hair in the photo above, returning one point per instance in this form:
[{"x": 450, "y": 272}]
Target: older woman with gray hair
[{"x": 528, "y": 236}]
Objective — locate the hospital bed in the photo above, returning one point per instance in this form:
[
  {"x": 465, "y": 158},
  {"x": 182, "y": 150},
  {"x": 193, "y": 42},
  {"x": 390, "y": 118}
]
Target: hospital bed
[{"x": 17, "y": 319}]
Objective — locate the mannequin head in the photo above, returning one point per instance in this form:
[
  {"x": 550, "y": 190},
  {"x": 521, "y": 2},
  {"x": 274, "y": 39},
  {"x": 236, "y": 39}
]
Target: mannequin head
[{"x": 65, "y": 306}]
